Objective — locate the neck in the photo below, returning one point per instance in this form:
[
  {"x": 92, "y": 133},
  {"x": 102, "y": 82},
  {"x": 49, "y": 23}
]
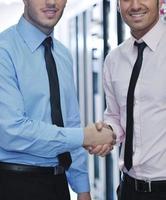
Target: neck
[{"x": 45, "y": 30}]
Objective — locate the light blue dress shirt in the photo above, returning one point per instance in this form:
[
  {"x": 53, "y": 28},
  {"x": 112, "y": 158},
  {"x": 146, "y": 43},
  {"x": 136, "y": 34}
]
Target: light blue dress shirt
[{"x": 27, "y": 135}]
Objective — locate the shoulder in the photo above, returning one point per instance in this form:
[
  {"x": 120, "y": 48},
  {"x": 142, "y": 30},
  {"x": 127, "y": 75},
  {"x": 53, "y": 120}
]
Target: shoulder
[
  {"x": 7, "y": 36},
  {"x": 115, "y": 57},
  {"x": 8, "y": 41},
  {"x": 11, "y": 49},
  {"x": 115, "y": 54}
]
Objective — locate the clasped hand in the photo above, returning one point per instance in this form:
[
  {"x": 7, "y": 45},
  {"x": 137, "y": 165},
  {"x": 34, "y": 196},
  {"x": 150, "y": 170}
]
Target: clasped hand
[{"x": 102, "y": 149}]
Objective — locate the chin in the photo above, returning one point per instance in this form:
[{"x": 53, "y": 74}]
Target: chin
[{"x": 49, "y": 24}]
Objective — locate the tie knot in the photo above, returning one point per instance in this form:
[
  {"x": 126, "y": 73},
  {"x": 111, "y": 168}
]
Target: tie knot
[
  {"x": 48, "y": 42},
  {"x": 141, "y": 46}
]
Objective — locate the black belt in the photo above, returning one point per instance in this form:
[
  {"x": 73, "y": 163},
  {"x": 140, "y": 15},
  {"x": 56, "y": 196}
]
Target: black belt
[
  {"x": 13, "y": 167},
  {"x": 145, "y": 186}
]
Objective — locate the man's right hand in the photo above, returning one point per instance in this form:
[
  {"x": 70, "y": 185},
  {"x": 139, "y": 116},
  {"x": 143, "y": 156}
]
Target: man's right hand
[{"x": 94, "y": 136}]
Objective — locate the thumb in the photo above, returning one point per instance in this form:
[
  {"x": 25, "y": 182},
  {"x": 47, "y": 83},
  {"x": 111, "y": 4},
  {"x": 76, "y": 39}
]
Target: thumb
[{"x": 99, "y": 125}]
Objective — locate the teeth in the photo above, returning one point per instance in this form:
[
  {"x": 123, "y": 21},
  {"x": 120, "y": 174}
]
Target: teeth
[{"x": 137, "y": 15}]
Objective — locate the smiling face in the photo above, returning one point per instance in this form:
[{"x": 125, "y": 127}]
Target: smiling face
[
  {"x": 44, "y": 14},
  {"x": 139, "y": 15}
]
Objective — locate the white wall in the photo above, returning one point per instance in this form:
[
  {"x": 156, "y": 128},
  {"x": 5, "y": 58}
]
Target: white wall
[
  {"x": 9, "y": 13},
  {"x": 73, "y": 8}
]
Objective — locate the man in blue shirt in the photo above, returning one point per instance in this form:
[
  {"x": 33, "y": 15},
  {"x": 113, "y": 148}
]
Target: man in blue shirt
[{"x": 30, "y": 143}]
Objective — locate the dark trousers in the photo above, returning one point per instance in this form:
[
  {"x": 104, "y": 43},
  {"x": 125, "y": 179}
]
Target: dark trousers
[
  {"x": 24, "y": 186},
  {"x": 127, "y": 191}
]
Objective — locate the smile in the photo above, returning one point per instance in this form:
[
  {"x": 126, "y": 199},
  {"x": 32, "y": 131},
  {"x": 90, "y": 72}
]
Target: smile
[
  {"x": 137, "y": 14},
  {"x": 50, "y": 13}
]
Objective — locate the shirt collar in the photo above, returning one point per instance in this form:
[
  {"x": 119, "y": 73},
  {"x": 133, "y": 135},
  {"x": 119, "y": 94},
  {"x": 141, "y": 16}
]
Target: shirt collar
[
  {"x": 153, "y": 37},
  {"x": 32, "y": 36}
]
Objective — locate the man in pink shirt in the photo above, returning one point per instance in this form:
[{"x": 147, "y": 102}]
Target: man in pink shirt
[{"x": 144, "y": 174}]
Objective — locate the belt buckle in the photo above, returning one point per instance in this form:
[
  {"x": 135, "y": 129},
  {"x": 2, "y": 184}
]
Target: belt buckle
[{"x": 143, "y": 186}]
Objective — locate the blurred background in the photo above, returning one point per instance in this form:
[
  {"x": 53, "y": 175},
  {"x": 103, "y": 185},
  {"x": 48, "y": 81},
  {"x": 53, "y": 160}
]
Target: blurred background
[{"x": 89, "y": 28}]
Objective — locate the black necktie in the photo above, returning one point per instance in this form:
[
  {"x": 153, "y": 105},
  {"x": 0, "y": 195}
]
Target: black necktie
[
  {"x": 56, "y": 114},
  {"x": 128, "y": 162}
]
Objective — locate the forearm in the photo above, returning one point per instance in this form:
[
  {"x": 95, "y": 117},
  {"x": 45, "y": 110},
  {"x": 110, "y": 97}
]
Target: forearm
[
  {"x": 117, "y": 128},
  {"x": 38, "y": 138}
]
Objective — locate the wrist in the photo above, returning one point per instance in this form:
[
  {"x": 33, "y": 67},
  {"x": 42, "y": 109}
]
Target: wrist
[{"x": 84, "y": 196}]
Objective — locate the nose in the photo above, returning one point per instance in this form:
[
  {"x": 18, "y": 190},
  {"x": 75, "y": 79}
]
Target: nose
[
  {"x": 51, "y": 2},
  {"x": 135, "y": 4}
]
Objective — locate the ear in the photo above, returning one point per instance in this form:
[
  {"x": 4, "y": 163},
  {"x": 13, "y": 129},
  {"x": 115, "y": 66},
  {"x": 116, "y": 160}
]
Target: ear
[{"x": 25, "y": 2}]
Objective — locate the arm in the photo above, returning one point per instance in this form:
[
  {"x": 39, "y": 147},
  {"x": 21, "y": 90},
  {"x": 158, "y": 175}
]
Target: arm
[
  {"x": 78, "y": 173},
  {"x": 20, "y": 132},
  {"x": 24, "y": 134},
  {"x": 112, "y": 112}
]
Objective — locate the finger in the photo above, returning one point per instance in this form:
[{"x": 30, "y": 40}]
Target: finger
[
  {"x": 96, "y": 149},
  {"x": 99, "y": 125},
  {"x": 105, "y": 149},
  {"x": 88, "y": 148}
]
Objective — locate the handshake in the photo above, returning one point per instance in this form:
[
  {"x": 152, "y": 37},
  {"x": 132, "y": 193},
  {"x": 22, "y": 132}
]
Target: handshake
[{"x": 99, "y": 139}]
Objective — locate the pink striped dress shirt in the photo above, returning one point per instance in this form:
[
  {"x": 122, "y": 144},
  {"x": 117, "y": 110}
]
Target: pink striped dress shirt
[{"x": 149, "y": 143}]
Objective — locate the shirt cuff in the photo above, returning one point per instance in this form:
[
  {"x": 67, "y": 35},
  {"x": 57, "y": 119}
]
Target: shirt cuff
[
  {"x": 118, "y": 132},
  {"x": 80, "y": 184},
  {"x": 76, "y": 138}
]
